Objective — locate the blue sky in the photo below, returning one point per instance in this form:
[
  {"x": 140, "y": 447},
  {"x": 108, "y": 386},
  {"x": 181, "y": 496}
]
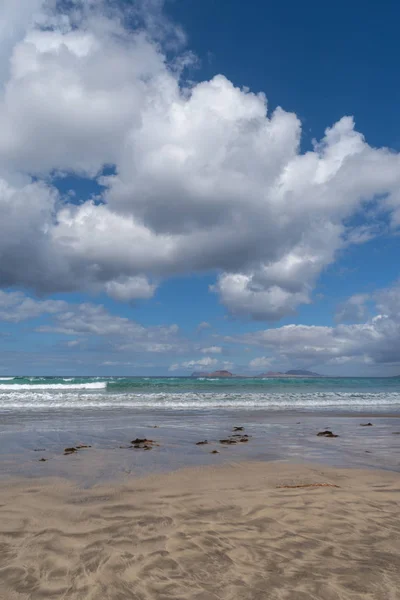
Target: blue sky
[
  {"x": 319, "y": 61},
  {"x": 162, "y": 214}
]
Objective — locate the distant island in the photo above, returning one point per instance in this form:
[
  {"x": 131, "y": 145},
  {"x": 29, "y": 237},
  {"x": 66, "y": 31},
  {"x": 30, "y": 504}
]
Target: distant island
[
  {"x": 293, "y": 373},
  {"x": 213, "y": 374}
]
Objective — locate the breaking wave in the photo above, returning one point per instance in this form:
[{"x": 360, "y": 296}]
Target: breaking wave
[
  {"x": 99, "y": 385},
  {"x": 64, "y": 397},
  {"x": 203, "y": 394}
]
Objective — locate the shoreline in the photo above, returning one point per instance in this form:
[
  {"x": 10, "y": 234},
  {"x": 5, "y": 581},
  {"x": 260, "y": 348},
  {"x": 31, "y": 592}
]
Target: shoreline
[
  {"x": 35, "y": 448},
  {"x": 242, "y": 530}
]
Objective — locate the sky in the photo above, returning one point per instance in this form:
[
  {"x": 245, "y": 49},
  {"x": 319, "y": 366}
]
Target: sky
[{"x": 191, "y": 186}]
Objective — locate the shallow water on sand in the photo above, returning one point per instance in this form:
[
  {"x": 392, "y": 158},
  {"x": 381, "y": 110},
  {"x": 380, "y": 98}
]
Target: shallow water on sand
[{"x": 27, "y": 436}]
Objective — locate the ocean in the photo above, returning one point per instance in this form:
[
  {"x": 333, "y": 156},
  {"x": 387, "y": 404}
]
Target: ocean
[
  {"x": 187, "y": 393},
  {"x": 40, "y": 416}
]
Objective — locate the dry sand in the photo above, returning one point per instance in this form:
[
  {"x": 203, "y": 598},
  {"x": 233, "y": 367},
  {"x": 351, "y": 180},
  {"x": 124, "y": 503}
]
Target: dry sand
[{"x": 228, "y": 532}]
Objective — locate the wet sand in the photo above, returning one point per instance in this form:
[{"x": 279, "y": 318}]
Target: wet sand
[
  {"x": 247, "y": 531},
  {"x": 291, "y": 437}
]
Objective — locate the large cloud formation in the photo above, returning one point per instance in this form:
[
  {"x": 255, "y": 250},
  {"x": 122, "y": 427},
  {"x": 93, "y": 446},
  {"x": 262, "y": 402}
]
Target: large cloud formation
[
  {"x": 204, "y": 178},
  {"x": 376, "y": 341}
]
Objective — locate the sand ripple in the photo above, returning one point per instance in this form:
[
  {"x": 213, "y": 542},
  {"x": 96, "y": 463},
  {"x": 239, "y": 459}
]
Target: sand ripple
[{"x": 211, "y": 533}]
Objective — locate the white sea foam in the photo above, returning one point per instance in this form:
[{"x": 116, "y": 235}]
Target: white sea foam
[
  {"x": 62, "y": 396},
  {"x": 15, "y": 387},
  {"x": 6, "y": 378}
]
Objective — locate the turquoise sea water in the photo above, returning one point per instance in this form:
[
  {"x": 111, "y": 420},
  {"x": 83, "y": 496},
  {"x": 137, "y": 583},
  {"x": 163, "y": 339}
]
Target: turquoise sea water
[{"x": 177, "y": 393}]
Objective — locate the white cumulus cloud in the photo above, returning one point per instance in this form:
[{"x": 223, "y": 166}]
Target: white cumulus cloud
[
  {"x": 203, "y": 176},
  {"x": 203, "y": 364},
  {"x": 262, "y": 362},
  {"x": 130, "y": 288},
  {"x": 212, "y": 350},
  {"x": 16, "y": 307},
  {"x": 375, "y": 341}
]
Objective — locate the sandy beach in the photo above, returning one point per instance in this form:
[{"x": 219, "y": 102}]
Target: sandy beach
[{"x": 248, "y": 530}]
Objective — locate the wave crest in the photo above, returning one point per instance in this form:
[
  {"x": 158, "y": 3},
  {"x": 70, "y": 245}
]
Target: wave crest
[
  {"x": 98, "y": 385},
  {"x": 44, "y": 396}
]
